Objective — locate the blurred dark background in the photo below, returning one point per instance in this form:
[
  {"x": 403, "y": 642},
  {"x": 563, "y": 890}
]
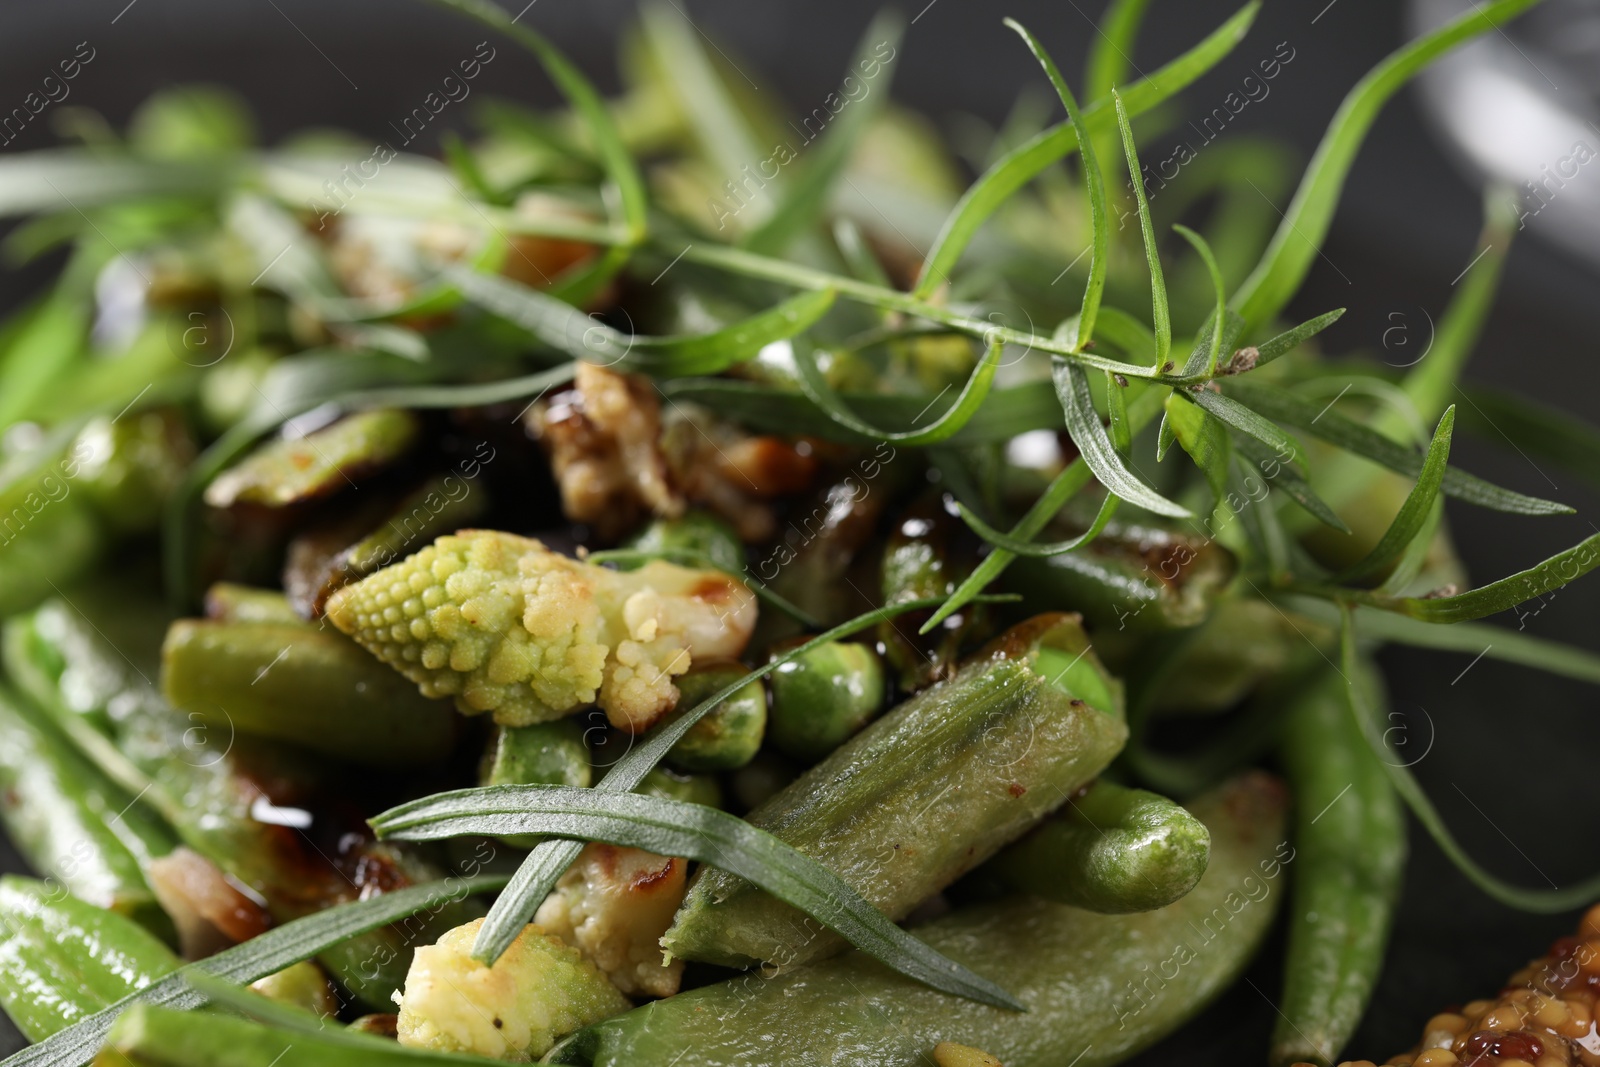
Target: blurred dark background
[{"x": 1511, "y": 757}]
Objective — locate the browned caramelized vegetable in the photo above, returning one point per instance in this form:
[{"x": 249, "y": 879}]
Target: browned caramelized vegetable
[
  {"x": 324, "y": 461},
  {"x": 1544, "y": 1017}
]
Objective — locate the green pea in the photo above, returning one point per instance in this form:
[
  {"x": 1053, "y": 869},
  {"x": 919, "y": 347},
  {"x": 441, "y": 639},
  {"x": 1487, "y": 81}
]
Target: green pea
[
  {"x": 545, "y": 753},
  {"x": 697, "y": 533},
  {"x": 729, "y": 736},
  {"x": 691, "y": 788},
  {"x": 821, "y": 699}
]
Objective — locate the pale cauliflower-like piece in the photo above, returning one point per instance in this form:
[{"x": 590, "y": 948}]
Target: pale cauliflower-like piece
[
  {"x": 613, "y": 905},
  {"x": 538, "y": 992},
  {"x": 503, "y": 624}
]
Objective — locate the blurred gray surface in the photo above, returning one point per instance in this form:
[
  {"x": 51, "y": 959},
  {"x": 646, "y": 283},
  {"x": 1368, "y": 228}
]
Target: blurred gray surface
[{"x": 1512, "y": 761}]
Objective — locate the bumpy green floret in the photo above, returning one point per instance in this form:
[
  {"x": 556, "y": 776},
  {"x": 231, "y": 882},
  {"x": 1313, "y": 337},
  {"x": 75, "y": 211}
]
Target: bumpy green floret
[
  {"x": 539, "y": 991},
  {"x": 503, "y": 624}
]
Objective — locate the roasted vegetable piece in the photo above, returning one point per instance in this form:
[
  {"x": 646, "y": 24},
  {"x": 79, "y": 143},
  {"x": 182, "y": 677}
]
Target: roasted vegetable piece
[
  {"x": 613, "y": 905},
  {"x": 146, "y": 1036},
  {"x": 924, "y": 794},
  {"x": 62, "y": 959},
  {"x": 824, "y": 698},
  {"x": 697, "y": 533},
  {"x": 72, "y": 822},
  {"x": 1112, "y": 850},
  {"x": 1096, "y": 986},
  {"x": 539, "y": 991},
  {"x": 231, "y": 602},
  {"x": 1350, "y": 833},
  {"x": 730, "y": 734},
  {"x": 1136, "y": 578},
  {"x": 302, "y": 985},
  {"x": 503, "y": 624},
  {"x": 546, "y": 753},
  {"x": 689, "y": 788},
  {"x": 292, "y": 470},
  {"x": 297, "y": 683},
  {"x": 92, "y": 660},
  {"x": 352, "y": 547},
  {"x": 1543, "y": 1015},
  {"x": 135, "y": 463},
  {"x": 925, "y": 555}
]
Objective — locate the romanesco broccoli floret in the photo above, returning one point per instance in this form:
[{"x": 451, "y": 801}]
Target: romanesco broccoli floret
[
  {"x": 613, "y": 905},
  {"x": 504, "y": 625},
  {"x": 538, "y": 992}
]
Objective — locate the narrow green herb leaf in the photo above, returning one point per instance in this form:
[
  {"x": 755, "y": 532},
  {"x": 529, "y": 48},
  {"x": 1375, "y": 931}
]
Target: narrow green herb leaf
[
  {"x": 705, "y": 101},
  {"x": 1003, "y": 414},
  {"x": 1299, "y": 237},
  {"x": 550, "y": 859},
  {"x": 1413, "y": 514},
  {"x": 59, "y": 178},
  {"x": 569, "y": 331},
  {"x": 1161, "y": 314},
  {"x": 1471, "y": 639},
  {"x": 806, "y": 198},
  {"x": 1094, "y": 184},
  {"x": 943, "y": 428},
  {"x": 1023, "y": 163},
  {"x": 1363, "y": 685},
  {"x": 1261, "y": 524},
  {"x": 1203, "y": 438},
  {"x": 1241, "y": 418},
  {"x": 267, "y": 954},
  {"x": 476, "y": 394},
  {"x": 1277, "y": 468},
  {"x": 1289, "y": 340},
  {"x": 696, "y": 832},
  {"x": 1565, "y": 566},
  {"x": 1317, "y": 419},
  {"x": 1095, "y": 446},
  {"x": 1018, "y": 547},
  {"x": 613, "y": 153},
  {"x": 459, "y": 155},
  {"x": 1061, "y": 489},
  {"x": 858, "y": 256},
  {"x": 1112, "y": 55},
  {"x": 1215, "y": 273},
  {"x": 1117, "y": 416}
]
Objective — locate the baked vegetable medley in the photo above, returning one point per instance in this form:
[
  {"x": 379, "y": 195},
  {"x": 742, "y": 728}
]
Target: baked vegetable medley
[{"x": 675, "y": 582}]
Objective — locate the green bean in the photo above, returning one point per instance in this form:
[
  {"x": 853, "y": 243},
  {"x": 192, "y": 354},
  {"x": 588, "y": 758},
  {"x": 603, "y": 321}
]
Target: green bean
[
  {"x": 208, "y": 782},
  {"x": 146, "y": 1036},
  {"x": 1131, "y": 580},
  {"x": 730, "y": 734},
  {"x": 291, "y": 471},
  {"x": 63, "y": 959},
  {"x": 1098, "y": 987},
  {"x": 230, "y": 602},
  {"x": 1350, "y": 833},
  {"x": 1112, "y": 850},
  {"x": 822, "y": 699},
  {"x": 70, "y": 821},
  {"x": 44, "y": 544},
  {"x": 922, "y": 795},
  {"x": 298, "y": 684}
]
